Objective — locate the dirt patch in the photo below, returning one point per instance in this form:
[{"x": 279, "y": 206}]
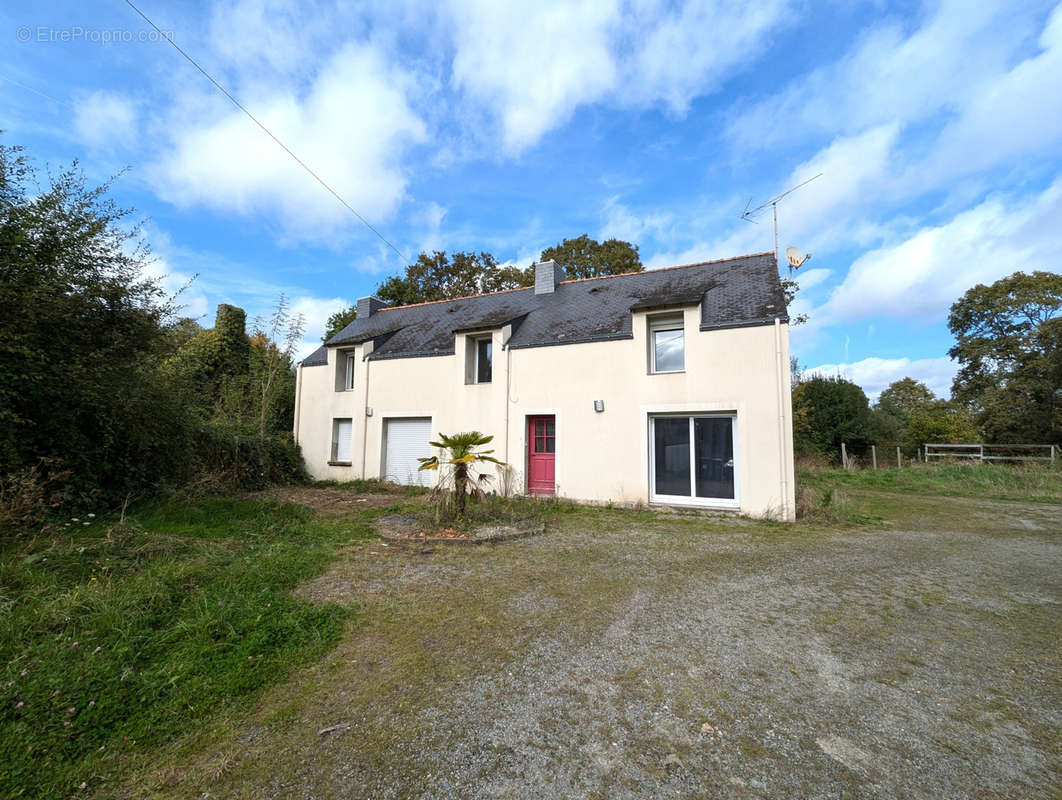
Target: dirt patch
[
  {"x": 340, "y": 501},
  {"x": 409, "y": 529}
]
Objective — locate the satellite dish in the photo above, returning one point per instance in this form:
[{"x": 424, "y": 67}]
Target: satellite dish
[{"x": 795, "y": 257}]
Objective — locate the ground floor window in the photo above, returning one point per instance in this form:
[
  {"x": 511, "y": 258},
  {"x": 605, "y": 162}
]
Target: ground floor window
[
  {"x": 692, "y": 459},
  {"x": 342, "y": 436}
]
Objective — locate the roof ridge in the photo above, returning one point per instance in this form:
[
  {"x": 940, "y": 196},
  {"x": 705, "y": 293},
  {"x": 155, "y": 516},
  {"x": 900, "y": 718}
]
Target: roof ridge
[
  {"x": 454, "y": 299},
  {"x": 665, "y": 269},
  {"x": 579, "y": 280}
]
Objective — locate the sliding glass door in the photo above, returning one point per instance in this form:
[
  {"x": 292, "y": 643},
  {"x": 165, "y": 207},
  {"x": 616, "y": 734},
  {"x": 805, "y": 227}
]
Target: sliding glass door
[{"x": 692, "y": 460}]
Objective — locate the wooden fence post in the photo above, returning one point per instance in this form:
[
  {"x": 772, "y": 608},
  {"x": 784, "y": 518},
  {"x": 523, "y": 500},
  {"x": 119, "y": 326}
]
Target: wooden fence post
[
  {"x": 844, "y": 456},
  {"x": 898, "y": 463},
  {"x": 874, "y": 455}
]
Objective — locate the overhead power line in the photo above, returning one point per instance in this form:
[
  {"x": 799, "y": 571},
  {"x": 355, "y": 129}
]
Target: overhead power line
[{"x": 268, "y": 132}]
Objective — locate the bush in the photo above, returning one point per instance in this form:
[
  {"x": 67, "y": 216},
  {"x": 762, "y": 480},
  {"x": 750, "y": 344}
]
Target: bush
[
  {"x": 228, "y": 460},
  {"x": 26, "y": 495}
]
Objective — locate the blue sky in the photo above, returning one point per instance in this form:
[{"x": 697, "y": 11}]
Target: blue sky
[{"x": 478, "y": 125}]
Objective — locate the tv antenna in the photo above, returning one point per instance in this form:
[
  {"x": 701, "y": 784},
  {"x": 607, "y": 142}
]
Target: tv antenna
[{"x": 750, "y": 214}]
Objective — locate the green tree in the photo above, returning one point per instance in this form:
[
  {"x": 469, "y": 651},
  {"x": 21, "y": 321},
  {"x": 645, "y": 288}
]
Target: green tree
[
  {"x": 272, "y": 368},
  {"x": 897, "y": 405},
  {"x": 439, "y": 276},
  {"x": 789, "y": 291},
  {"x": 939, "y": 421},
  {"x": 904, "y": 397},
  {"x": 214, "y": 362},
  {"x": 828, "y": 411},
  {"x": 463, "y": 453},
  {"x": 80, "y": 334},
  {"x": 339, "y": 321},
  {"x": 1007, "y": 345},
  {"x": 583, "y": 257}
]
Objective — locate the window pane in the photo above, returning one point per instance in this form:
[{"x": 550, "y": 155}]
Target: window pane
[
  {"x": 668, "y": 346},
  {"x": 540, "y": 428},
  {"x": 672, "y": 455},
  {"x": 483, "y": 354},
  {"x": 713, "y": 444},
  {"x": 550, "y": 428},
  {"x": 550, "y": 444}
]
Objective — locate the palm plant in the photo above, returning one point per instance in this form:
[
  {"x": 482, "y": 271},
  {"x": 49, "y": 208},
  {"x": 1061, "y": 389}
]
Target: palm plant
[{"x": 463, "y": 452}]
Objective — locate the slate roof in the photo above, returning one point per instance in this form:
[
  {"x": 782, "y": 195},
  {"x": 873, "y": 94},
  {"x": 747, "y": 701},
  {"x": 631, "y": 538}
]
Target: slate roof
[{"x": 733, "y": 292}]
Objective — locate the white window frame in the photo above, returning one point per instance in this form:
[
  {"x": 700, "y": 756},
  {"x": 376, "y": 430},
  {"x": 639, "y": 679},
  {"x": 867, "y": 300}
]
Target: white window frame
[
  {"x": 476, "y": 342},
  {"x": 348, "y": 380},
  {"x": 662, "y": 324},
  {"x": 334, "y": 458},
  {"x": 693, "y": 499}
]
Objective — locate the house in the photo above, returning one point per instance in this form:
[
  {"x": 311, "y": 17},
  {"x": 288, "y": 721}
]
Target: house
[{"x": 669, "y": 386}]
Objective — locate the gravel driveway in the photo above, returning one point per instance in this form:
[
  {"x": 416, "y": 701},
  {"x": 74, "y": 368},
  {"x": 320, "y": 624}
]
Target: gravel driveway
[{"x": 637, "y": 655}]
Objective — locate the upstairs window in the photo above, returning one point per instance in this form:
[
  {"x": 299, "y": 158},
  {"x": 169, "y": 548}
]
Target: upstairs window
[
  {"x": 667, "y": 344},
  {"x": 348, "y": 378},
  {"x": 345, "y": 370},
  {"x": 481, "y": 353}
]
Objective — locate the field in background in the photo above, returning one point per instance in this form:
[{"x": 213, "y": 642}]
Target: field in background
[{"x": 1036, "y": 483}]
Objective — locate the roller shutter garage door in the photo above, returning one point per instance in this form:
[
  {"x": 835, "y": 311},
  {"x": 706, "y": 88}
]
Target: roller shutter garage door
[{"x": 406, "y": 440}]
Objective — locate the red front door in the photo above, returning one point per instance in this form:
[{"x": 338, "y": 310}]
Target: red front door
[{"x": 541, "y": 451}]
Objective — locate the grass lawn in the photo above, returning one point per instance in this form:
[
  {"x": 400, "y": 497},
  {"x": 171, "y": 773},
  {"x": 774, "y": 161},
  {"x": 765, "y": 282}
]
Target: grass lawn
[
  {"x": 115, "y": 638},
  {"x": 905, "y": 643},
  {"x": 1035, "y": 483}
]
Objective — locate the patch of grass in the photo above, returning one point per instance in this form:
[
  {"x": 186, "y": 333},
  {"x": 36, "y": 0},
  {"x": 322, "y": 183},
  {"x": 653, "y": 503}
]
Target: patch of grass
[
  {"x": 116, "y": 637},
  {"x": 1031, "y": 482}
]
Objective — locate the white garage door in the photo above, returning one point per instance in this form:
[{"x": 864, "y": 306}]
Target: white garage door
[{"x": 406, "y": 440}]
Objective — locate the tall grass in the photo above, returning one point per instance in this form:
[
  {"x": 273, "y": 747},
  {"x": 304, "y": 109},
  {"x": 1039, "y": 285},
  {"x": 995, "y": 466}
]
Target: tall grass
[
  {"x": 1040, "y": 483},
  {"x": 113, "y": 638}
]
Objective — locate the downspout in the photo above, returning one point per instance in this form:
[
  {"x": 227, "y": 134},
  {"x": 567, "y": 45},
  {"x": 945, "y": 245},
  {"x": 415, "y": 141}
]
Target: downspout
[
  {"x": 508, "y": 389},
  {"x": 298, "y": 402},
  {"x": 506, "y": 335},
  {"x": 364, "y": 415},
  {"x": 779, "y": 373}
]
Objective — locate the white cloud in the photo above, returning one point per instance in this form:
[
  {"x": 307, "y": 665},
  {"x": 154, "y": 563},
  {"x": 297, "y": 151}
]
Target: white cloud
[
  {"x": 687, "y": 53},
  {"x": 269, "y": 37},
  {"x": 810, "y": 278},
  {"x": 353, "y": 128},
  {"x": 853, "y": 168},
  {"x": 532, "y": 66},
  {"x": 105, "y": 120},
  {"x": 1009, "y": 116},
  {"x": 620, "y": 222},
  {"x": 921, "y": 276},
  {"x": 893, "y": 74},
  {"x": 179, "y": 285},
  {"x": 874, "y": 374},
  {"x": 315, "y": 312}
]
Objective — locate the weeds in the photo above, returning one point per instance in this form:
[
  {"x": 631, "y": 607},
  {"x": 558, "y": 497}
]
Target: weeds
[
  {"x": 115, "y": 638},
  {"x": 827, "y": 505}
]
